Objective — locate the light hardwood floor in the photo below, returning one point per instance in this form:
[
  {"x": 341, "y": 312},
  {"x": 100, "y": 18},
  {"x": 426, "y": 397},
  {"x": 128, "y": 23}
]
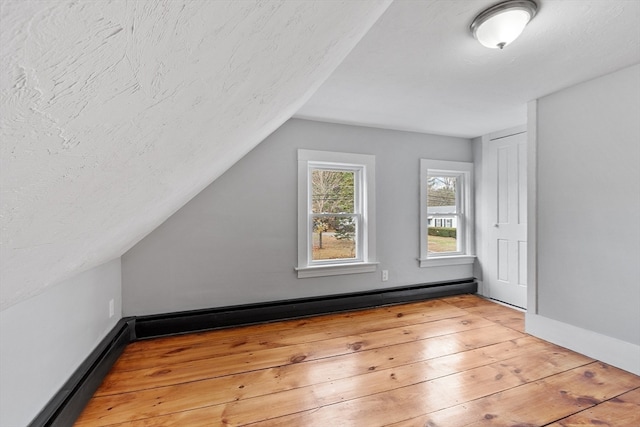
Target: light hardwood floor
[{"x": 457, "y": 361}]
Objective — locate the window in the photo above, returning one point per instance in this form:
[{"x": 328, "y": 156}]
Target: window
[
  {"x": 446, "y": 216},
  {"x": 335, "y": 213}
]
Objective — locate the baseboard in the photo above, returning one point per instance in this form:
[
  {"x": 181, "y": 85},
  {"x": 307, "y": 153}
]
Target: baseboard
[
  {"x": 199, "y": 320},
  {"x": 612, "y": 351},
  {"x": 65, "y": 407}
]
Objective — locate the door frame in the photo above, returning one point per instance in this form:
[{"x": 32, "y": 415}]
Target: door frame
[{"x": 532, "y": 207}]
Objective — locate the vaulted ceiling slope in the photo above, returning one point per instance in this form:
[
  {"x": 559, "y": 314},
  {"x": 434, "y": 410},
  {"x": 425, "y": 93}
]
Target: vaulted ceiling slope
[{"x": 115, "y": 113}]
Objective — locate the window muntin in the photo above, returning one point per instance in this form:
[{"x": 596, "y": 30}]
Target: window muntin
[
  {"x": 446, "y": 215},
  {"x": 336, "y": 201}
]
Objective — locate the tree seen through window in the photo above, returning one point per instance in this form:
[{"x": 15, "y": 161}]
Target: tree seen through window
[{"x": 333, "y": 208}]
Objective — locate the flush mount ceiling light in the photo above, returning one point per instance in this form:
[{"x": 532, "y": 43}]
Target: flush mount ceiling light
[{"x": 502, "y": 23}]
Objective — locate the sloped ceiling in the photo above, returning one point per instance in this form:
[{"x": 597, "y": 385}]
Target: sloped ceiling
[{"x": 115, "y": 113}]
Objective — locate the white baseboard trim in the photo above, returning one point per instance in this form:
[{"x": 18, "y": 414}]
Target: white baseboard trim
[{"x": 612, "y": 351}]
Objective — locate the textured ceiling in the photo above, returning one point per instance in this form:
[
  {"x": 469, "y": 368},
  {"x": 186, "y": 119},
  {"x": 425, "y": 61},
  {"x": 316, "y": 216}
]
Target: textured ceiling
[
  {"x": 115, "y": 113},
  {"x": 419, "y": 69}
]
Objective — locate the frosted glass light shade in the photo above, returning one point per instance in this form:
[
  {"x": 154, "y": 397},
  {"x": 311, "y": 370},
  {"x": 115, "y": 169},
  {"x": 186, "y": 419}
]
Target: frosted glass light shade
[{"x": 501, "y": 24}]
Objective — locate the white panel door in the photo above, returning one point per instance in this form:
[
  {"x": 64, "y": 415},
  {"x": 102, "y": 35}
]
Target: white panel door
[{"x": 505, "y": 178}]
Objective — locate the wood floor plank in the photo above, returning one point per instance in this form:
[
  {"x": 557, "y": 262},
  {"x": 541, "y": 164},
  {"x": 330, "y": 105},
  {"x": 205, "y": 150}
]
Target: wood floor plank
[
  {"x": 455, "y": 361},
  {"x": 391, "y": 384},
  {"x": 467, "y": 301},
  {"x": 126, "y": 381},
  {"x": 221, "y": 343},
  {"x": 514, "y": 320},
  {"x": 153, "y": 402},
  {"x": 489, "y": 310},
  {"x": 536, "y": 403},
  {"x": 431, "y": 309},
  {"x": 494, "y": 312},
  {"x": 435, "y": 394},
  {"x": 620, "y": 411},
  {"x": 207, "y": 417}
]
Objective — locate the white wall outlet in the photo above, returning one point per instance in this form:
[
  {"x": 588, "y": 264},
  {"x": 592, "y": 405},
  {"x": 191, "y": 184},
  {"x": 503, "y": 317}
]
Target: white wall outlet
[
  {"x": 385, "y": 275},
  {"x": 112, "y": 308}
]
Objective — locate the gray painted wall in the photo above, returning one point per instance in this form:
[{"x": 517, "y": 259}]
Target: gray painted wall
[
  {"x": 589, "y": 205},
  {"x": 479, "y": 224},
  {"x": 236, "y": 242},
  {"x": 44, "y": 339}
]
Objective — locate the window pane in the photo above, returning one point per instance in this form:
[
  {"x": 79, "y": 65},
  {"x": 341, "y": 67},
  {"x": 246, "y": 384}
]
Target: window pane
[
  {"x": 334, "y": 238},
  {"x": 441, "y": 194},
  {"x": 443, "y": 239},
  {"x": 442, "y": 215},
  {"x": 333, "y": 191}
]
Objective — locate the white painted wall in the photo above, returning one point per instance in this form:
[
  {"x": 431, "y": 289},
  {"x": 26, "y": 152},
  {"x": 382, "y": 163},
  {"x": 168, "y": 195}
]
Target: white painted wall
[
  {"x": 45, "y": 339},
  {"x": 236, "y": 242},
  {"x": 588, "y": 271}
]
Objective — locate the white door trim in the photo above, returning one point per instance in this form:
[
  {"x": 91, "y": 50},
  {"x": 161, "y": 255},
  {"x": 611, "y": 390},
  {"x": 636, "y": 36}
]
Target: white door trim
[{"x": 532, "y": 207}]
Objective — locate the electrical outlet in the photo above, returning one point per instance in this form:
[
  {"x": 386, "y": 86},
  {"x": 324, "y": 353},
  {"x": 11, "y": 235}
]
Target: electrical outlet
[
  {"x": 112, "y": 309},
  {"x": 385, "y": 275}
]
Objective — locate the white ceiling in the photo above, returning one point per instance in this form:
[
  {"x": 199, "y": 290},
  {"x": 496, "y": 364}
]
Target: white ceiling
[
  {"x": 419, "y": 69},
  {"x": 114, "y": 114}
]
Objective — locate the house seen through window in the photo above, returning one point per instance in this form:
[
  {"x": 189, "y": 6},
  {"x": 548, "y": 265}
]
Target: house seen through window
[
  {"x": 446, "y": 217},
  {"x": 443, "y": 214}
]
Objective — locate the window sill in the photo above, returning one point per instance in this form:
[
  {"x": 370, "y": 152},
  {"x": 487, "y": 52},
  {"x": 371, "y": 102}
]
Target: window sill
[
  {"x": 446, "y": 260},
  {"x": 336, "y": 269}
]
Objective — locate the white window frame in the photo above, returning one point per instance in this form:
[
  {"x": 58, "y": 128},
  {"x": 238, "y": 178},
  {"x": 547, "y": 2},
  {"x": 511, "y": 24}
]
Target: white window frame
[
  {"x": 464, "y": 212},
  {"x": 363, "y": 166}
]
